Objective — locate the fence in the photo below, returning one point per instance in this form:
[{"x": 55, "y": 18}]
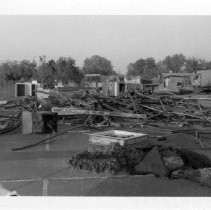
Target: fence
[{"x": 7, "y": 90}]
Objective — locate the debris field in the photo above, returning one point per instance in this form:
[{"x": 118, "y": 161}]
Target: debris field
[{"x": 164, "y": 154}]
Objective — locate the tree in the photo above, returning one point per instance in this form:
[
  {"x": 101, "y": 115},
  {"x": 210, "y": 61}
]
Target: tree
[
  {"x": 207, "y": 65},
  {"x": 16, "y": 71},
  {"x": 67, "y": 70},
  {"x": 98, "y": 65},
  {"x": 175, "y": 62},
  {"x": 142, "y": 67},
  {"x": 63, "y": 69},
  {"x": 192, "y": 65},
  {"x": 49, "y": 82}
]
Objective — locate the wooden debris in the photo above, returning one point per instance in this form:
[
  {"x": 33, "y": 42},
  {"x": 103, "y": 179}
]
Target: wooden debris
[{"x": 166, "y": 108}]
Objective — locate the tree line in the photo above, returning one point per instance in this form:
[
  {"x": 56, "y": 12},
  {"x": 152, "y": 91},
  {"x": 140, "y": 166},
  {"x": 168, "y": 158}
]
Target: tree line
[
  {"x": 49, "y": 72},
  {"x": 172, "y": 63},
  {"x": 64, "y": 69}
]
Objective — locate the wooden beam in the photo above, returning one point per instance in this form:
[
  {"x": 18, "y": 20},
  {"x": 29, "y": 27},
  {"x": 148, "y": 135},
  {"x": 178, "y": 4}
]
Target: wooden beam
[{"x": 62, "y": 111}]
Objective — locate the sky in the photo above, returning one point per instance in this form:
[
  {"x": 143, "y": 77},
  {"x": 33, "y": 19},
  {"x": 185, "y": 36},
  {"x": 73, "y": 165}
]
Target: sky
[{"x": 121, "y": 39}]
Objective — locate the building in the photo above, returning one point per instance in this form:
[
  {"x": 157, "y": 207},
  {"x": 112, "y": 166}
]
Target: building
[
  {"x": 113, "y": 85},
  {"x": 204, "y": 77},
  {"x": 133, "y": 79},
  {"x": 175, "y": 82},
  {"x": 92, "y": 81},
  {"x": 150, "y": 84}
]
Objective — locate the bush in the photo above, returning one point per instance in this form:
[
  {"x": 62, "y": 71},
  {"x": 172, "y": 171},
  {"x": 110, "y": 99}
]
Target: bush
[{"x": 121, "y": 158}]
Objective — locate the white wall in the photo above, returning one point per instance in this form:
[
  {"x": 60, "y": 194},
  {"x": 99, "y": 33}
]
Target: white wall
[{"x": 205, "y": 77}]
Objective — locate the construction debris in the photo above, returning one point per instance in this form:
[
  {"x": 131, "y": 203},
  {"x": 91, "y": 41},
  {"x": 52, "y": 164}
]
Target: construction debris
[
  {"x": 134, "y": 108},
  {"x": 165, "y": 153},
  {"x": 172, "y": 110}
]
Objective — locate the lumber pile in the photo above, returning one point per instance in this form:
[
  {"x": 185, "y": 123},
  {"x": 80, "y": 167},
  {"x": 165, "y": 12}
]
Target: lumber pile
[
  {"x": 129, "y": 109},
  {"x": 138, "y": 110}
]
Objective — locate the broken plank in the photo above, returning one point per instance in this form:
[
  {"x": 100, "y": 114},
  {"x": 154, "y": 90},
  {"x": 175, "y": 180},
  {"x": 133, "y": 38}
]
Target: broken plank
[
  {"x": 73, "y": 111},
  {"x": 206, "y": 99},
  {"x": 9, "y": 113}
]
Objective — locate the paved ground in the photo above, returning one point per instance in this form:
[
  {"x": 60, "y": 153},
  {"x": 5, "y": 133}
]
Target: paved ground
[{"x": 43, "y": 170}]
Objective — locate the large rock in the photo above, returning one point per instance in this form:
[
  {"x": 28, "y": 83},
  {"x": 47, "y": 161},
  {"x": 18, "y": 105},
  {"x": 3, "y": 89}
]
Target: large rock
[
  {"x": 173, "y": 162},
  {"x": 152, "y": 164},
  {"x": 193, "y": 159}
]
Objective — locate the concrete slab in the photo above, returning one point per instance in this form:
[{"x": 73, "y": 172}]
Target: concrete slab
[
  {"x": 18, "y": 140},
  {"x": 67, "y": 142},
  {"x": 41, "y": 168},
  {"x": 36, "y": 155},
  {"x": 73, "y": 187},
  {"x": 149, "y": 186},
  {"x": 70, "y": 141},
  {"x": 126, "y": 186},
  {"x": 30, "y": 169}
]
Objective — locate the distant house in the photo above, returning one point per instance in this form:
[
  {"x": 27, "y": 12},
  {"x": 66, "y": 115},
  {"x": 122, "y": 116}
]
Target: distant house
[
  {"x": 109, "y": 85},
  {"x": 150, "y": 83},
  {"x": 177, "y": 81},
  {"x": 113, "y": 85},
  {"x": 146, "y": 83},
  {"x": 204, "y": 77},
  {"x": 71, "y": 83},
  {"x": 133, "y": 79},
  {"x": 92, "y": 80}
]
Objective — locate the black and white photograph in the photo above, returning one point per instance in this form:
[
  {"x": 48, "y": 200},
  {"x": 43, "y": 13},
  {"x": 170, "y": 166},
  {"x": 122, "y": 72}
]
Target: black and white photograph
[{"x": 105, "y": 106}]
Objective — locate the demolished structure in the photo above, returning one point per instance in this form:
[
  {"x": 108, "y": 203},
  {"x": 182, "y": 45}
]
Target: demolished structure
[{"x": 131, "y": 110}]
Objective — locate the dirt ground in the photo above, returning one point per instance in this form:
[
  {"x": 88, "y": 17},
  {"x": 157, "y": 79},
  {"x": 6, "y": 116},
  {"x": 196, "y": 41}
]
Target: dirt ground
[{"x": 43, "y": 170}]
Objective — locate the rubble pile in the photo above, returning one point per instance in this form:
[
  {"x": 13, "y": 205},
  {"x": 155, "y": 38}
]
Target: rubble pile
[
  {"x": 160, "y": 156},
  {"x": 169, "y": 109},
  {"x": 131, "y": 109}
]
